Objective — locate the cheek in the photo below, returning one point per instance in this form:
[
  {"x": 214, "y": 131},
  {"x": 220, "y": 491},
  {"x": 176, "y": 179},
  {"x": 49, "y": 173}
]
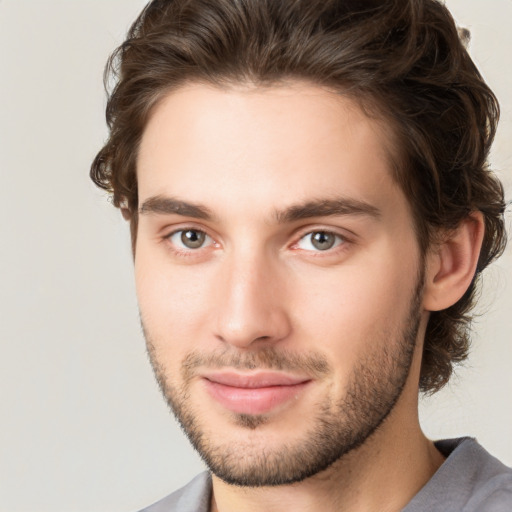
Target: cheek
[
  {"x": 356, "y": 309},
  {"x": 173, "y": 302}
]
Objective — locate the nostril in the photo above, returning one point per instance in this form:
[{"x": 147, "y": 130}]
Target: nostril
[{"x": 262, "y": 338}]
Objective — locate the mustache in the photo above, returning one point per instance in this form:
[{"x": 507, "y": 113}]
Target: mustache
[{"x": 313, "y": 364}]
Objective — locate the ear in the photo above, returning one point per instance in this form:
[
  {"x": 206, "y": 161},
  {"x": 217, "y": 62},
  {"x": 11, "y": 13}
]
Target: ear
[
  {"x": 451, "y": 265},
  {"x": 125, "y": 212}
]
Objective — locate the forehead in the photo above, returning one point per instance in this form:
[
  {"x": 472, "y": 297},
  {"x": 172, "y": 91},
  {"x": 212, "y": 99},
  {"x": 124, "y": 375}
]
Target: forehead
[{"x": 271, "y": 147}]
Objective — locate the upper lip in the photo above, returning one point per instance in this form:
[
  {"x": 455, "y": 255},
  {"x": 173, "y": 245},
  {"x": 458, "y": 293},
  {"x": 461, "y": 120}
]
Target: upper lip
[{"x": 260, "y": 379}]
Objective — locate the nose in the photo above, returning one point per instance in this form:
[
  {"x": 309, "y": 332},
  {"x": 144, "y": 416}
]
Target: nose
[{"x": 251, "y": 302}]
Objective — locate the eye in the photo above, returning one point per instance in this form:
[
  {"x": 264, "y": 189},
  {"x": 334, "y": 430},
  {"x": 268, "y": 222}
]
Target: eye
[
  {"x": 319, "y": 241},
  {"x": 190, "y": 239}
]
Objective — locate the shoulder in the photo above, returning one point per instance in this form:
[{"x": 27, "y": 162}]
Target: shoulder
[
  {"x": 496, "y": 496},
  {"x": 492, "y": 489},
  {"x": 470, "y": 480},
  {"x": 194, "y": 497}
]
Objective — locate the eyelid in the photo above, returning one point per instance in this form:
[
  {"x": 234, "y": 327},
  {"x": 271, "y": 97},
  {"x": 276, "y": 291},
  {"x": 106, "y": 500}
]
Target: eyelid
[
  {"x": 344, "y": 233},
  {"x": 346, "y": 238},
  {"x": 171, "y": 229},
  {"x": 338, "y": 240},
  {"x": 175, "y": 229},
  {"x": 206, "y": 240}
]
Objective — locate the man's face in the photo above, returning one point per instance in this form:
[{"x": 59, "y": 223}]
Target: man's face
[{"x": 278, "y": 275}]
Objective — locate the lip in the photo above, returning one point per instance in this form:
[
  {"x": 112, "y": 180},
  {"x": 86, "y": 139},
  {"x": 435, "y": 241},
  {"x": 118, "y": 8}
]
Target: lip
[{"x": 253, "y": 393}]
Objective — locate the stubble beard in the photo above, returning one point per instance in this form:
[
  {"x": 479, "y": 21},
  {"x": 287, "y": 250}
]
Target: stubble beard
[{"x": 374, "y": 388}]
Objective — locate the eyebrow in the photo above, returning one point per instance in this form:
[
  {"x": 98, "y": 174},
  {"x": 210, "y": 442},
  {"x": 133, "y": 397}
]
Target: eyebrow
[
  {"x": 165, "y": 205},
  {"x": 326, "y": 208}
]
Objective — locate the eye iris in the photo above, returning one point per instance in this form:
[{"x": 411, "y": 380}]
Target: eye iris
[
  {"x": 322, "y": 240},
  {"x": 192, "y": 239}
]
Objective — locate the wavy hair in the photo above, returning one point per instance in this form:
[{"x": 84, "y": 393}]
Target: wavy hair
[{"x": 402, "y": 60}]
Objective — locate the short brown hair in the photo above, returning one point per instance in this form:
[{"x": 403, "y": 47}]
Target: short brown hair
[{"x": 402, "y": 60}]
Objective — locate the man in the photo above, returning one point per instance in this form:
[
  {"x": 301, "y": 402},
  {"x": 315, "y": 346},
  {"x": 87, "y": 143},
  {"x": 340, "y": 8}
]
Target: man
[{"x": 310, "y": 208}]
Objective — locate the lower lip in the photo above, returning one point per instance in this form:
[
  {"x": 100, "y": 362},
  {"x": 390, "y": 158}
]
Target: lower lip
[{"x": 253, "y": 400}]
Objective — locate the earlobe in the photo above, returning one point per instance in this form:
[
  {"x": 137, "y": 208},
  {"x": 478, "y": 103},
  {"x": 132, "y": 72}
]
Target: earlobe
[{"x": 451, "y": 265}]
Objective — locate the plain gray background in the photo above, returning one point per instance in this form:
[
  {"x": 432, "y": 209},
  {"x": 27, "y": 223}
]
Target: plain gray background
[{"x": 82, "y": 425}]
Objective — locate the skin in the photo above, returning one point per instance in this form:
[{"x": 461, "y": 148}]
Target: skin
[{"x": 251, "y": 158}]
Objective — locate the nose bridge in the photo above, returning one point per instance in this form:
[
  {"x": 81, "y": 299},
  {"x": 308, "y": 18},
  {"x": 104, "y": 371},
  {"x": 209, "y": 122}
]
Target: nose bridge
[{"x": 250, "y": 307}]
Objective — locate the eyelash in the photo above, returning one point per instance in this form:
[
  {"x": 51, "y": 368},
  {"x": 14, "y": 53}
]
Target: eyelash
[
  {"x": 187, "y": 251},
  {"x": 340, "y": 242}
]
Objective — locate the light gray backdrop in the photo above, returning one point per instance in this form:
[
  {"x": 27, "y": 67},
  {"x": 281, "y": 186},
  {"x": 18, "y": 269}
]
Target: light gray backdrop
[{"x": 82, "y": 424}]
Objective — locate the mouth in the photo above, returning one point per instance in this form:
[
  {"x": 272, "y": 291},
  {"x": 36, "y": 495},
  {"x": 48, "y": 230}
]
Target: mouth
[{"x": 253, "y": 393}]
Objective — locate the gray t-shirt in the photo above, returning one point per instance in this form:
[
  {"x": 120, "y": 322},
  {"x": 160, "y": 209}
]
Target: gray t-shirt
[{"x": 470, "y": 480}]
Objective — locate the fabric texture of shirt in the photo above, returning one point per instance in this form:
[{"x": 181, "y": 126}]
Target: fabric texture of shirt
[{"x": 470, "y": 480}]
